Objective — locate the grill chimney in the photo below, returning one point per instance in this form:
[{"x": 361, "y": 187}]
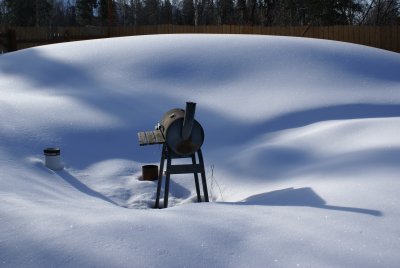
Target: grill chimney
[{"x": 188, "y": 120}]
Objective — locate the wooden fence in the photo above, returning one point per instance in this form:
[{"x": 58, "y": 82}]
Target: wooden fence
[{"x": 385, "y": 37}]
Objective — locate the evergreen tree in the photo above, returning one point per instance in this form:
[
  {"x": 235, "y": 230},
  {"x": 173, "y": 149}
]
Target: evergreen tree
[
  {"x": 70, "y": 14},
  {"x": 130, "y": 13},
  {"x": 188, "y": 12},
  {"x": 21, "y": 13},
  {"x": 28, "y": 13},
  {"x": 58, "y": 12},
  {"x": 332, "y": 12},
  {"x": 122, "y": 12},
  {"x": 207, "y": 13},
  {"x": 241, "y": 11},
  {"x": 151, "y": 11},
  {"x": 103, "y": 12},
  {"x": 138, "y": 12},
  {"x": 225, "y": 11},
  {"x": 3, "y": 13},
  {"x": 166, "y": 12},
  {"x": 252, "y": 12},
  {"x": 268, "y": 10},
  {"x": 177, "y": 14},
  {"x": 84, "y": 11}
]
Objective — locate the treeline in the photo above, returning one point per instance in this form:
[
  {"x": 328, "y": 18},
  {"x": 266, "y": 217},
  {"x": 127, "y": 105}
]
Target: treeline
[{"x": 51, "y": 13}]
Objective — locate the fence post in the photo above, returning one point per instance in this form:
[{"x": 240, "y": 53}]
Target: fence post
[{"x": 11, "y": 41}]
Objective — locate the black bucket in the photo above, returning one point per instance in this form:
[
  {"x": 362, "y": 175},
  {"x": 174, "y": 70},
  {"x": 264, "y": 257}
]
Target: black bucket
[{"x": 150, "y": 172}]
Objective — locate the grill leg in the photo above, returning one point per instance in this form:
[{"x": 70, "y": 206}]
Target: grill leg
[
  {"x": 196, "y": 180},
  {"x": 167, "y": 178},
  {"x": 203, "y": 176},
  {"x": 160, "y": 175}
]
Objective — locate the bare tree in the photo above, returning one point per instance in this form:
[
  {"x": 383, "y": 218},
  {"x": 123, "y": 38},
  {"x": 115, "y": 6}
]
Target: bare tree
[{"x": 151, "y": 11}]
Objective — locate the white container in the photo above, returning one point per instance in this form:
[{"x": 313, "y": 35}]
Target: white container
[{"x": 52, "y": 158}]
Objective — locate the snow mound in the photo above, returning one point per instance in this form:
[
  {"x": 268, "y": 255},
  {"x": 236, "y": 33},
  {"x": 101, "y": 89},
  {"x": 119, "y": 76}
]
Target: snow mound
[{"x": 301, "y": 153}]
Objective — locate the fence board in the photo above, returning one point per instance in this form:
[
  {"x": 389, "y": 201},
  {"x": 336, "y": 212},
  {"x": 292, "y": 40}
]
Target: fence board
[
  {"x": 377, "y": 40},
  {"x": 314, "y": 32},
  {"x": 300, "y": 30},
  {"x": 268, "y": 30},
  {"x": 284, "y": 31},
  {"x": 383, "y": 37},
  {"x": 355, "y": 36},
  {"x": 394, "y": 40},
  {"x": 363, "y": 35},
  {"x": 277, "y": 30},
  {"x": 338, "y": 33},
  {"x": 261, "y": 30},
  {"x": 309, "y": 32},
  {"x": 345, "y": 33},
  {"x": 292, "y": 31},
  {"x": 324, "y": 32}
]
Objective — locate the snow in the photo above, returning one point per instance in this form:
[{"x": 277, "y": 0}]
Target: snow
[{"x": 302, "y": 135}]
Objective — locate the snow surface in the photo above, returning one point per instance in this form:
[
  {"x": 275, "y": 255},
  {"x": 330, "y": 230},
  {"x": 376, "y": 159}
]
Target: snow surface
[{"x": 303, "y": 135}]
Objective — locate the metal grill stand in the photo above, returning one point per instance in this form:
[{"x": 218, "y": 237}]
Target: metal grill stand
[{"x": 194, "y": 168}]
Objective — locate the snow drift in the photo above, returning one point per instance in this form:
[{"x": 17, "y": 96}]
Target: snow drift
[{"x": 302, "y": 135}]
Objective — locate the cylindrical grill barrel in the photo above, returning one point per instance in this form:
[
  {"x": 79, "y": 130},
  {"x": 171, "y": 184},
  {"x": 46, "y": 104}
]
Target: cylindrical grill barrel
[{"x": 182, "y": 140}]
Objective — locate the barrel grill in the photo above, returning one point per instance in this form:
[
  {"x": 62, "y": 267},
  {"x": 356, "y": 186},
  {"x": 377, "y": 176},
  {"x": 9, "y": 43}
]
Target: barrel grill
[
  {"x": 182, "y": 133},
  {"x": 182, "y": 137}
]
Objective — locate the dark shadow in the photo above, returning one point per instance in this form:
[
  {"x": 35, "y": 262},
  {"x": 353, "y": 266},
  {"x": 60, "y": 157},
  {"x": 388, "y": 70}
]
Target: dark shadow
[
  {"x": 227, "y": 130},
  {"x": 212, "y": 71},
  {"x": 337, "y": 112},
  {"x": 386, "y": 65},
  {"x": 281, "y": 163},
  {"x": 360, "y": 161},
  {"x": 74, "y": 182},
  {"x": 43, "y": 70},
  {"x": 305, "y": 197},
  {"x": 177, "y": 190}
]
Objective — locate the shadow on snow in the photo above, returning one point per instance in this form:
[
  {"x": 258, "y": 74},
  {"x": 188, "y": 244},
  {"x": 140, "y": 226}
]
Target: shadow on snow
[
  {"x": 221, "y": 131},
  {"x": 77, "y": 184},
  {"x": 304, "y": 197}
]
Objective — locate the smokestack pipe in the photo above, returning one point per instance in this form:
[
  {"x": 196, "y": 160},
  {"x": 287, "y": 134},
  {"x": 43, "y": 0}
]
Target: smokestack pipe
[{"x": 188, "y": 120}]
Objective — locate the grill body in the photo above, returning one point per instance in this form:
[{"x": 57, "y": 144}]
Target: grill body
[{"x": 175, "y": 125}]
